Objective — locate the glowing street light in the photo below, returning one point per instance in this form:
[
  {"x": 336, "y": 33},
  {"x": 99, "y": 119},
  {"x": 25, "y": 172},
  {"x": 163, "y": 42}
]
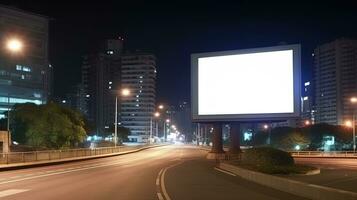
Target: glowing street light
[
  {"x": 125, "y": 92},
  {"x": 307, "y": 122},
  {"x": 353, "y": 99},
  {"x": 156, "y": 114},
  {"x": 14, "y": 45},
  {"x": 161, "y": 106},
  {"x": 348, "y": 123},
  {"x": 167, "y": 120},
  {"x": 265, "y": 126}
]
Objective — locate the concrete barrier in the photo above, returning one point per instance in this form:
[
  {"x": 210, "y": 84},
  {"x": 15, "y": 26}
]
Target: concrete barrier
[
  {"x": 63, "y": 159},
  {"x": 302, "y": 189}
]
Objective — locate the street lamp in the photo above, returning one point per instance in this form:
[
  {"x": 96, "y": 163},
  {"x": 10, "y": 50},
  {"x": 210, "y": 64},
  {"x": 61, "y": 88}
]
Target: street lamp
[
  {"x": 307, "y": 122},
  {"x": 156, "y": 114},
  {"x": 354, "y": 101},
  {"x": 161, "y": 106},
  {"x": 266, "y": 127},
  {"x": 124, "y": 92},
  {"x": 14, "y": 45}
]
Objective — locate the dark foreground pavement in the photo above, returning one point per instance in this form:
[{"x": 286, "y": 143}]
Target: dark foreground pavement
[
  {"x": 339, "y": 173},
  {"x": 170, "y": 172}
]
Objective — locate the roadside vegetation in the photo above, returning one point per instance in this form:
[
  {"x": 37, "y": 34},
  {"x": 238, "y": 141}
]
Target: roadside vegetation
[
  {"x": 270, "y": 161},
  {"x": 48, "y": 126}
]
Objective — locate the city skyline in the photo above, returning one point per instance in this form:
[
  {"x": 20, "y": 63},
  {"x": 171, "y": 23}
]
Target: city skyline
[{"x": 177, "y": 35}]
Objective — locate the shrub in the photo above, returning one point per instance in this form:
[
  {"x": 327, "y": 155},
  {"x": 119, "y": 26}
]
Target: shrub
[{"x": 267, "y": 157}]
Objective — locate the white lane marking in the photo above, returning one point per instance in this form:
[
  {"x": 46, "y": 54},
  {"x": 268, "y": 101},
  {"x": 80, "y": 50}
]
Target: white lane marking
[
  {"x": 11, "y": 192},
  {"x": 158, "y": 178},
  {"x": 162, "y": 182},
  {"x": 159, "y": 195},
  {"x": 229, "y": 173}
]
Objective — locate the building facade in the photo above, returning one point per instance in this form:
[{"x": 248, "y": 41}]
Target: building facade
[
  {"x": 138, "y": 74},
  {"x": 335, "y": 80},
  {"x": 25, "y": 72},
  {"x": 101, "y": 83}
]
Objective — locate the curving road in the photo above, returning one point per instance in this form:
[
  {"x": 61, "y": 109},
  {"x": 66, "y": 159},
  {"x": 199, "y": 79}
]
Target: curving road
[{"x": 170, "y": 172}]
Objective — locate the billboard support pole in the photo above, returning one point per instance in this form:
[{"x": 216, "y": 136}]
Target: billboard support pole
[
  {"x": 217, "y": 151},
  {"x": 234, "y": 135}
]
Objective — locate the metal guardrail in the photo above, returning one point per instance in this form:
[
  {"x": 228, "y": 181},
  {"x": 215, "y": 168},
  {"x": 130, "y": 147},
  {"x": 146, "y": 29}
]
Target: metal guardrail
[
  {"x": 347, "y": 154},
  {"x": 50, "y": 155}
]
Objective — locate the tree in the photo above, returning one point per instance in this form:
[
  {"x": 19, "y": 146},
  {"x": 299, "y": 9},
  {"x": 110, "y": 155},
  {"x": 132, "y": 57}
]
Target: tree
[
  {"x": 50, "y": 126},
  {"x": 122, "y": 132}
]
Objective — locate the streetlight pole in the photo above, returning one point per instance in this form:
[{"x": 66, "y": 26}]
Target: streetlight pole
[
  {"x": 353, "y": 101},
  {"x": 150, "y": 130},
  {"x": 354, "y": 130},
  {"x": 116, "y": 121}
]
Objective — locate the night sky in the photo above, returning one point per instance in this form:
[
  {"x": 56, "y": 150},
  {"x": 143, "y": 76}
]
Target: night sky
[{"x": 172, "y": 31}]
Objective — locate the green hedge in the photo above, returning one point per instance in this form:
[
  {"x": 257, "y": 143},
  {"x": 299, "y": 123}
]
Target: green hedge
[{"x": 267, "y": 156}]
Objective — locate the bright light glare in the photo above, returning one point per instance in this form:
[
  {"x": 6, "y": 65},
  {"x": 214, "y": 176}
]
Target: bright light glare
[
  {"x": 156, "y": 114},
  {"x": 161, "y": 107},
  {"x": 125, "y": 92},
  {"x": 167, "y": 120},
  {"x": 265, "y": 126},
  {"x": 14, "y": 45},
  {"x": 348, "y": 123},
  {"x": 353, "y": 99},
  {"x": 255, "y": 83}
]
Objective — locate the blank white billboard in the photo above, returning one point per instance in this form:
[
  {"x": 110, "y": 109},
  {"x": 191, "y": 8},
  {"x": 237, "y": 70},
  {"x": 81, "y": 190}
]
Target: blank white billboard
[{"x": 255, "y": 83}]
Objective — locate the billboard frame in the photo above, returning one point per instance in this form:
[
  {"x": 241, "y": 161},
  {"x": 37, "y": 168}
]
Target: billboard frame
[{"x": 247, "y": 117}]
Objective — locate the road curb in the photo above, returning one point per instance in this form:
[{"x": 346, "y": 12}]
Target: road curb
[
  {"x": 66, "y": 160},
  {"x": 302, "y": 189}
]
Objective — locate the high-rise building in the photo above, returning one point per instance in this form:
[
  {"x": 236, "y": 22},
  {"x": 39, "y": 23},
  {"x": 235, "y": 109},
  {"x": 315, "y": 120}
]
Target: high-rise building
[
  {"x": 307, "y": 108},
  {"x": 138, "y": 74},
  {"x": 335, "y": 80},
  {"x": 75, "y": 99},
  {"x": 25, "y": 72},
  {"x": 101, "y": 83}
]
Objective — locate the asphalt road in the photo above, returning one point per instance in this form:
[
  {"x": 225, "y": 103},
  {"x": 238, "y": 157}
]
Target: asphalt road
[
  {"x": 170, "y": 172},
  {"x": 339, "y": 173}
]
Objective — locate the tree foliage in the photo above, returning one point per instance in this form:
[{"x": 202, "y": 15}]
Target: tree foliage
[
  {"x": 50, "y": 126},
  {"x": 309, "y": 137}
]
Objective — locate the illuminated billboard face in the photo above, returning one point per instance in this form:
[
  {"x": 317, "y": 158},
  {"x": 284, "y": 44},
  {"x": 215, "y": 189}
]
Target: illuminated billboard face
[{"x": 253, "y": 84}]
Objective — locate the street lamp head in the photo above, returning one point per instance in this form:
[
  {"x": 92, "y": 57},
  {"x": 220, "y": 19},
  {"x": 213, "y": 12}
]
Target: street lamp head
[
  {"x": 353, "y": 99},
  {"x": 125, "y": 92},
  {"x": 161, "y": 106},
  {"x": 307, "y": 122},
  {"x": 156, "y": 114},
  {"x": 348, "y": 123},
  {"x": 265, "y": 126},
  {"x": 14, "y": 45},
  {"x": 167, "y": 120}
]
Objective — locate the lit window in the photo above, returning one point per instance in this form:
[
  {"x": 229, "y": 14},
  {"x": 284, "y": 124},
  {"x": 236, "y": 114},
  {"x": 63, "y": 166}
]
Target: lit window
[
  {"x": 110, "y": 82},
  {"x": 137, "y": 96},
  {"x": 22, "y": 76},
  {"x": 141, "y": 77},
  {"x": 26, "y": 69},
  {"x": 307, "y": 83},
  {"x": 87, "y": 95},
  {"x": 141, "y": 81},
  {"x": 306, "y": 98},
  {"x": 110, "y": 52},
  {"x": 63, "y": 101},
  {"x": 18, "y": 67}
]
